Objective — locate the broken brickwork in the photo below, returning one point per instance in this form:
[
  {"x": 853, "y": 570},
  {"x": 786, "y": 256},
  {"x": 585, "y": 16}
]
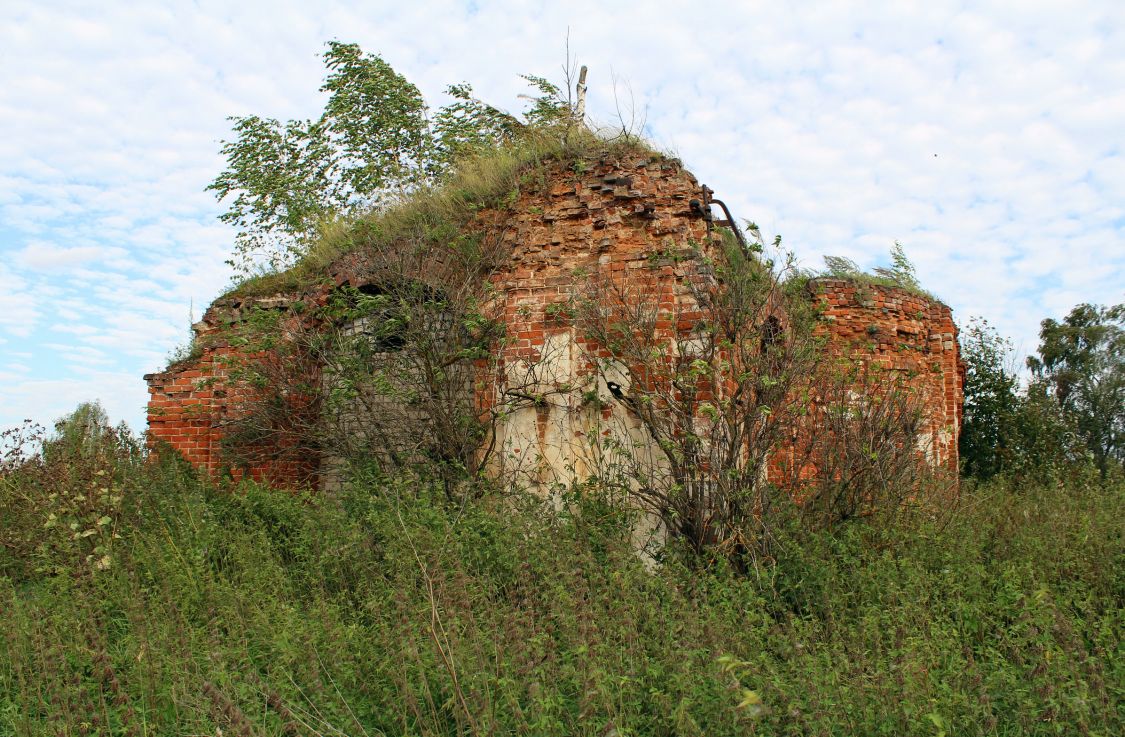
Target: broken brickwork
[
  {"x": 193, "y": 404},
  {"x": 628, "y": 223},
  {"x": 906, "y": 333},
  {"x": 635, "y": 221}
]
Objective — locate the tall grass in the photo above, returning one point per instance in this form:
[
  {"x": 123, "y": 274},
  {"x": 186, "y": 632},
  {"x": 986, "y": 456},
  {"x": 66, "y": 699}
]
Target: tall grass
[{"x": 383, "y": 611}]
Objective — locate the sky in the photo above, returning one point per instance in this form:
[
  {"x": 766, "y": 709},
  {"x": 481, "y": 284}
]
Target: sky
[{"x": 986, "y": 137}]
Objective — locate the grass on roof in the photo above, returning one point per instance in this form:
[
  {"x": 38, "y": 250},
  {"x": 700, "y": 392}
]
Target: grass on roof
[
  {"x": 866, "y": 279},
  {"x": 489, "y": 179},
  {"x": 847, "y": 270}
]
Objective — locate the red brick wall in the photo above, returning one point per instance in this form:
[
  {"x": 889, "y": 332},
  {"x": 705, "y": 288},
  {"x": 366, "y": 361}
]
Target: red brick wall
[
  {"x": 181, "y": 410},
  {"x": 192, "y": 406},
  {"x": 626, "y": 222},
  {"x": 908, "y": 333},
  {"x": 611, "y": 220},
  {"x": 626, "y": 219}
]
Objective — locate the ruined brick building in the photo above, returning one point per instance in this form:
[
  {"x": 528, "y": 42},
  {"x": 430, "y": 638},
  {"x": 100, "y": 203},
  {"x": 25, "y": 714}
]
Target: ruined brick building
[{"x": 634, "y": 218}]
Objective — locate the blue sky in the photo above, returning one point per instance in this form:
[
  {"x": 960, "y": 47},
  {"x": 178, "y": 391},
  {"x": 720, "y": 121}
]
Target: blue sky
[{"x": 986, "y": 137}]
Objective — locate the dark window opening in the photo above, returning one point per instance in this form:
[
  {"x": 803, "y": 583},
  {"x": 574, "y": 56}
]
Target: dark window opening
[
  {"x": 380, "y": 317},
  {"x": 771, "y": 333}
]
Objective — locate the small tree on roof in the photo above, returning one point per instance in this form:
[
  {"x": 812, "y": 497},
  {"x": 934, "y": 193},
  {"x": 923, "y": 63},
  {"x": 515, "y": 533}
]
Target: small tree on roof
[{"x": 373, "y": 142}]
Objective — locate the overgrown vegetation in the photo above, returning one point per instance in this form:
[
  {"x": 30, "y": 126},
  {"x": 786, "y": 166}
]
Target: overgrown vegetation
[
  {"x": 740, "y": 408},
  {"x": 899, "y": 274},
  {"x": 287, "y": 184},
  {"x": 486, "y": 178},
  {"x": 386, "y": 610},
  {"x": 379, "y": 165},
  {"x": 713, "y": 382},
  {"x": 419, "y": 598},
  {"x": 1081, "y": 365}
]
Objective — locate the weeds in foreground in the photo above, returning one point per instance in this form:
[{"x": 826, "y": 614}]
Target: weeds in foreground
[{"x": 386, "y": 611}]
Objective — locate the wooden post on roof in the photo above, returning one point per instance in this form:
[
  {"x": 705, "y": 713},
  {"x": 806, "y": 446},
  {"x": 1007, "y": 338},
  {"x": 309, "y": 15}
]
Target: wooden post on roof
[{"x": 580, "y": 107}]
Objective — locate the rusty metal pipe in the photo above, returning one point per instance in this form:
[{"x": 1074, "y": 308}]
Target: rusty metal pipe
[{"x": 708, "y": 200}]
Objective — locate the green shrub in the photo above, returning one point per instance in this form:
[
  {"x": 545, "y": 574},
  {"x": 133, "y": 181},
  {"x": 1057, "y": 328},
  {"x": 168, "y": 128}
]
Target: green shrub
[{"x": 386, "y": 610}]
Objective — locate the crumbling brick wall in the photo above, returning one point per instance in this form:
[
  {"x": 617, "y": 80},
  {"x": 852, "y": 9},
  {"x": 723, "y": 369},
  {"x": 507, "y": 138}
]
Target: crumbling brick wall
[
  {"x": 194, "y": 404},
  {"x": 629, "y": 223},
  {"x": 634, "y": 222},
  {"x": 907, "y": 333}
]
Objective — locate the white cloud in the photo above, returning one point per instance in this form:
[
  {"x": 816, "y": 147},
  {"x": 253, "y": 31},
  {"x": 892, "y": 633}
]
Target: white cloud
[
  {"x": 46, "y": 400},
  {"x": 18, "y": 312},
  {"x": 39, "y": 256},
  {"x": 820, "y": 122}
]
